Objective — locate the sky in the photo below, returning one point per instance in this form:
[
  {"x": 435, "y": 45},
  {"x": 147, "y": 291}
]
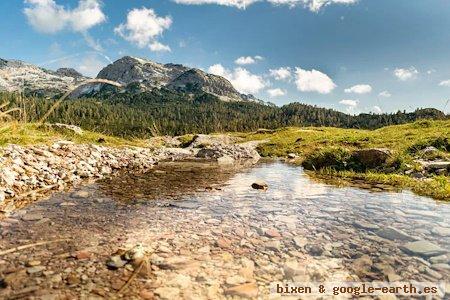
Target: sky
[{"x": 351, "y": 55}]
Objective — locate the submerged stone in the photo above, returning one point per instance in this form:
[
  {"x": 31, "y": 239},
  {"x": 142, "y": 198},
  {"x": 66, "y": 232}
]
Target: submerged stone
[{"x": 423, "y": 248}]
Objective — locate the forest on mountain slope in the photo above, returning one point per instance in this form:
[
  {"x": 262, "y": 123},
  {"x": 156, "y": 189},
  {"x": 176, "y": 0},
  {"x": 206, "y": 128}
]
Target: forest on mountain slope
[{"x": 165, "y": 112}]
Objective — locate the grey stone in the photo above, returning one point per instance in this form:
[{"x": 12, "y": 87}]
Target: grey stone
[
  {"x": 423, "y": 248},
  {"x": 392, "y": 233}
]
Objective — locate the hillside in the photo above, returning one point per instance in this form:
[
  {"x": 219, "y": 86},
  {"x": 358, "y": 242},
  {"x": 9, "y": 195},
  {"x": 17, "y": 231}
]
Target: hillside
[{"x": 162, "y": 111}]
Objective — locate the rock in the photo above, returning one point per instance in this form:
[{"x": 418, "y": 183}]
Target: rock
[
  {"x": 392, "y": 233},
  {"x": 273, "y": 245},
  {"x": 434, "y": 165},
  {"x": 365, "y": 225},
  {"x": 292, "y": 156},
  {"x": 2, "y": 196},
  {"x": 292, "y": 268},
  {"x": 441, "y": 231},
  {"x": 248, "y": 290},
  {"x": 439, "y": 259},
  {"x": 314, "y": 249},
  {"x": 225, "y": 160},
  {"x": 223, "y": 243},
  {"x": 260, "y": 185},
  {"x": 80, "y": 194},
  {"x": 300, "y": 241},
  {"x": 32, "y": 217},
  {"x": 36, "y": 269},
  {"x": 372, "y": 158},
  {"x": 423, "y": 248},
  {"x": 362, "y": 265},
  {"x": 115, "y": 262},
  {"x": 168, "y": 293},
  {"x": 272, "y": 233},
  {"x": 33, "y": 263},
  {"x": 235, "y": 280},
  {"x": 82, "y": 255},
  {"x": 429, "y": 150},
  {"x": 209, "y": 153}
]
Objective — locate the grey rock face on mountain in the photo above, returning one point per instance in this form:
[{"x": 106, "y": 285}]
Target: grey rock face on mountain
[
  {"x": 69, "y": 72},
  {"x": 177, "y": 77},
  {"x": 20, "y": 76},
  {"x": 150, "y": 74},
  {"x": 195, "y": 79}
]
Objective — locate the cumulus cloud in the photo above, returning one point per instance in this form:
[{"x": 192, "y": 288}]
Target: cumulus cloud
[
  {"x": 241, "y": 4},
  {"x": 377, "y": 109},
  {"x": 247, "y": 60},
  {"x": 242, "y": 80},
  {"x": 283, "y": 73},
  {"x": 445, "y": 83},
  {"x": 158, "y": 47},
  {"x": 404, "y": 74},
  {"x": 348, "y": 102},
  {"x": 313, "y": 81},
  {"x": 385, "y": 94},
  {"x": 312, "y": 5},
  {"x": 143, "y": 27},
  {"x": 47, "y": 16},
  {"x": 359, "y": 89},
  {"x": 273, "y": 93}
]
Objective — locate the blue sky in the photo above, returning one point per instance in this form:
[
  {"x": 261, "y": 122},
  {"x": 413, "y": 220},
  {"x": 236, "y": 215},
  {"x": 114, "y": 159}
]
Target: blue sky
[{"x": 351, "y": 55}]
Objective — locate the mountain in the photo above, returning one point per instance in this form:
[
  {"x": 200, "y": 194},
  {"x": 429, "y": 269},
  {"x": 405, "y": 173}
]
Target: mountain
[
  {"x": 16, "y": 75},
  {"x": 136, "y": 74},
  {"x": 131, "y": 70}
]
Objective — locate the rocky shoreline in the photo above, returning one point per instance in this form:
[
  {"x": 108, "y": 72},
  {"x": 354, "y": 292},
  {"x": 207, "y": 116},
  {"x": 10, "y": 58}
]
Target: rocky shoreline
[{"x": 28, "y": 170}]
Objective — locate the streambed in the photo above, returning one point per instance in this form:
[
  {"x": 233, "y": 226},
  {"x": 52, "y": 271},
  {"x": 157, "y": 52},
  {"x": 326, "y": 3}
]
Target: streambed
[{"x": 209, "y": 235}]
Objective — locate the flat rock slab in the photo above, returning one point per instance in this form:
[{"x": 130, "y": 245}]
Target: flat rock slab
[
  {"x": 365, "y": 225},
  {"x": 32, "y": 217},
  {"x": 423, "y": 248},
  {"x": 392, "y": 234}
]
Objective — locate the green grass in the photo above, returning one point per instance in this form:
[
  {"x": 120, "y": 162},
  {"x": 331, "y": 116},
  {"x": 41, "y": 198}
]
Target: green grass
[
  {"x": 437, "y": 187},
  {"x": 32, "y": 134},
  {"x": 303, "y": 141},
  {"x": 331, "y": 147}
]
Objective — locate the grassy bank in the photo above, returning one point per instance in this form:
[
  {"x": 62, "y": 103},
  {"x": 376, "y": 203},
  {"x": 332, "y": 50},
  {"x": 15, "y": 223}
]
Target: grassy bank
[
  {"x": 306, "y": 140},
  {"x": 333, "y": 145},
  {"x": 32, "y": 134}
]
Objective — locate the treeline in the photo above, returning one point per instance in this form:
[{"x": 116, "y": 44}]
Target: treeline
[{"x": 167, "y": 112}]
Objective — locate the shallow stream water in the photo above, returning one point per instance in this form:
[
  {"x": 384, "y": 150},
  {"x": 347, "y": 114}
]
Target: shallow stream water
[{"x": 215, "y": 234}]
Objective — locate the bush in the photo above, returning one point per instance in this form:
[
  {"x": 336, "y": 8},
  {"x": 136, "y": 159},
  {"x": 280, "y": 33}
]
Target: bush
[{"x": 441, "y": 143}]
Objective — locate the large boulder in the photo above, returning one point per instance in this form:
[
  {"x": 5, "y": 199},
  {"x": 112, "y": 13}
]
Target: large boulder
[{"x": 371, "y": 158}]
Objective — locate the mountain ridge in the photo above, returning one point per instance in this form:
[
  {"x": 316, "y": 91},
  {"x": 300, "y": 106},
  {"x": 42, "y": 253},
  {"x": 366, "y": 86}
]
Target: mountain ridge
[{"x": 132, "y": 72}]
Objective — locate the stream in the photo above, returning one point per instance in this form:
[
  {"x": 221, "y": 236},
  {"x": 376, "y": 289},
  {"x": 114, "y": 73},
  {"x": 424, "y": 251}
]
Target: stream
[{"x": 209, "y": 235}]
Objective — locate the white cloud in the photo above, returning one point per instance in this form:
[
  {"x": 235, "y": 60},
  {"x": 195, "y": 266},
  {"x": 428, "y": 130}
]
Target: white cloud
[
  {"x": 385, "y": 94},
  {"x": 158, "y": 47},
  {"x": 348, "y": 102},
  {"x": 47, "y": 16},
  {"x": 445, "y": 83},
  {"x": 281, "y": 73},
  {"x": 247, "y": 60},
  {"x": 143, "y": 27},
  {"x": 242, "y": 4},
  {"x": 312, "y": 5},
  {"x": 313, "y": 81},
  {"x": 359, "y": 89},
  {"x": 90, "y": 65},
  {"x": 377, "y": 109},
  {"x": 273, "y": 93},
  {"x": 242, "y": 80},
  {"x": 406, "y": 74}
]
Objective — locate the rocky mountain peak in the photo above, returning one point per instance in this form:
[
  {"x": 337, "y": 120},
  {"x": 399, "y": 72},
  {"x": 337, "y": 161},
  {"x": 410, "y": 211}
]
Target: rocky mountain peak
[
  {"x": 17, "y": 75},
  {"x": 69, "y": 72}
]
